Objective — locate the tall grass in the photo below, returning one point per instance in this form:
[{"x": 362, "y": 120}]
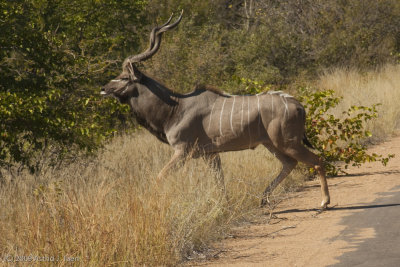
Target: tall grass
[
  {"x": 110, "y": 211},
  {"x": 381, "y": 86}
]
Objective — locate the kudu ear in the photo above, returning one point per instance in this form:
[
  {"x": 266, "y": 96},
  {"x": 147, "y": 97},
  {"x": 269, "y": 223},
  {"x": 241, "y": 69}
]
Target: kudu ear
[{"x": 134, "y": 74}]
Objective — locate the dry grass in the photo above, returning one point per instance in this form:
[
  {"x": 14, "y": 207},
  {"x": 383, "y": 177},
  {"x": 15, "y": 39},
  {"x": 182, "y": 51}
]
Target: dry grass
[
  {"x": 382, "y": 86},
  {"x": 109, "y": 211}
]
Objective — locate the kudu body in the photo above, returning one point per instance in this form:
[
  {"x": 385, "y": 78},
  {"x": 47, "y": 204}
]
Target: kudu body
[{"x": 206, "y": 121}]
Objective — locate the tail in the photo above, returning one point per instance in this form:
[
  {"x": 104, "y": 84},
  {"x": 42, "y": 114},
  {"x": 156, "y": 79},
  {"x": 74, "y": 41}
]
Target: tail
[{"x": 306, "y": 142}]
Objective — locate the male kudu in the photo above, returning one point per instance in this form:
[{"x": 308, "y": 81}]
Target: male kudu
[{"x": 206, "y": 121}]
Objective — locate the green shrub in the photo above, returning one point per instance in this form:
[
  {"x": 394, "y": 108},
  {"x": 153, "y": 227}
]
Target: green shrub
[
  {"x": 338, "y": 139},
  {"x": 54, "y": 56},
  {"x": 277, "y": 42}
]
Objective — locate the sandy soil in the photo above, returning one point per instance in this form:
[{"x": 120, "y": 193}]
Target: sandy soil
[{"x": 361, "y": 229}]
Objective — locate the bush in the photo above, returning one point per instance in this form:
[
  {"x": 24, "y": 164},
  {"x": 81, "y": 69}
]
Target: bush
[
  {"x": 276, "y": 41},
  {"x": 53, "y": 57},
  {"x": 338, "y": 139}
]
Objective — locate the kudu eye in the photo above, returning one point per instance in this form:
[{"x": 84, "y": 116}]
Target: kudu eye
[{"x": 103, "y": 91}]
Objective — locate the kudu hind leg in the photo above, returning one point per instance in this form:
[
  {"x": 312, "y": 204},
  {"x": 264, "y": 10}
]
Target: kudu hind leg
[
  {"x": 288, "y": 165},
  {"x": 302, "y": 154}
]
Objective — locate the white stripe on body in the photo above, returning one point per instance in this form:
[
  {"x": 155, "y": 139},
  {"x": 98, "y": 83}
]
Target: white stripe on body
[
  {"x": 220, "y": 117},
  {"x": 258, "y": 114},
  {"x": 248, "y": 119},
  {"x": 279, "y": 93},
  {"x": 275, "y": 92},
  {"x": 233, "y": 105},
  {"x": 272, "y": 106},
  {"x": 283, "y": 97},
  {"x": 284, "y": 100},
  {"x": 209, "y": 123},
  {"x": 241, "y": 116},
  {"x": 286, "y": 95}
]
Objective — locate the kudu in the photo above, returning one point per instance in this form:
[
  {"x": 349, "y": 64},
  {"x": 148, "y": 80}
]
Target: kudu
[{"x": 206, "y": 121}]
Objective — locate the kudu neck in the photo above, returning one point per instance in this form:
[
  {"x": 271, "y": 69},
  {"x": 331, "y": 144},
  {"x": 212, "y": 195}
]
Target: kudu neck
[
  {"x": 165, "y": 95},
  {"x": 154, "y": 106}
]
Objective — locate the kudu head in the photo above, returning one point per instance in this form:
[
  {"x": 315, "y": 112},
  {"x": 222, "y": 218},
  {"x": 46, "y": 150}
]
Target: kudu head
[{"x": 126, "y": 84}]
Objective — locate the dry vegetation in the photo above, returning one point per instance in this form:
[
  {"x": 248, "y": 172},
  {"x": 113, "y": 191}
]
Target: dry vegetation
[
  {"x": 368, "y": 88},
  {"x": 109, "y": 211}
]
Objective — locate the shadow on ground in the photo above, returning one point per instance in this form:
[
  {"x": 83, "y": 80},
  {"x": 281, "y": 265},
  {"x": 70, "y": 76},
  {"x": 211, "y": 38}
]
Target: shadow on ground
[
  {"x": 373, "y": 234},
  {"x": 388, "y": 172},
  {"x": 356, "y": 207}
]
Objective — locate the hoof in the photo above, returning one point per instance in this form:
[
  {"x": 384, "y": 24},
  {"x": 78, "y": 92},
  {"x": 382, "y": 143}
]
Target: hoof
[
  {"x": 324, "y": 204},
  {"x": 264, "y": 202}
]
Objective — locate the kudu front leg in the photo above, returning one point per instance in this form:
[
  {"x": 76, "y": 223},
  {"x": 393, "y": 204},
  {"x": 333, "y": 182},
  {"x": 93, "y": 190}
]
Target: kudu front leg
[
  {"x": 173, "y": 162},
  {"x": 214, "y": 161},
  {"x": 288, "y": 165}
]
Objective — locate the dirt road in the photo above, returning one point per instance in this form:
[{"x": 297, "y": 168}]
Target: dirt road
[{"x": 362, "y": 228}]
